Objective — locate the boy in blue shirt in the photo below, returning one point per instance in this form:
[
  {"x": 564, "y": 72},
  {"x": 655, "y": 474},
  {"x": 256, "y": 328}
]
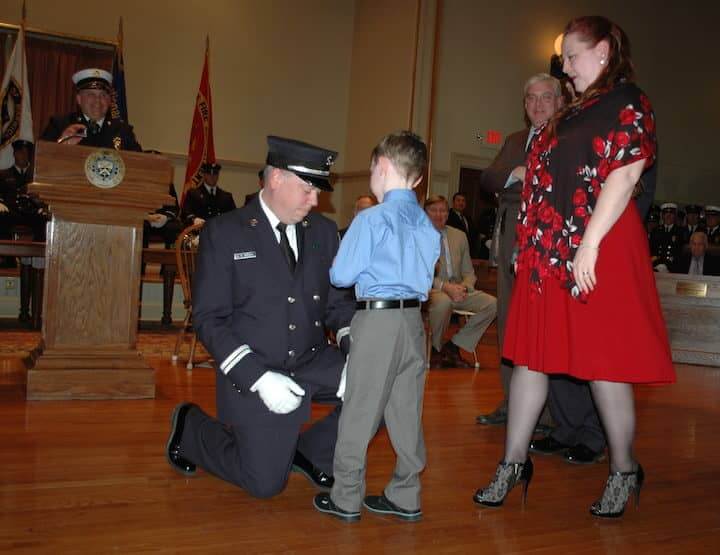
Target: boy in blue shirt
[{"x": 389, "y": 254}]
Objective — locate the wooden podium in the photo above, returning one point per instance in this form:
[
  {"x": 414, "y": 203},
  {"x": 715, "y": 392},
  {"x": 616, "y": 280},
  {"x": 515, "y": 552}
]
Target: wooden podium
[{"x": 98, "y": 199}]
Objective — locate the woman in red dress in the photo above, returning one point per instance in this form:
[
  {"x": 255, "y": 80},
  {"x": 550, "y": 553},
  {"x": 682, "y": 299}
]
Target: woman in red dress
[{"x": 584, "y": 301}]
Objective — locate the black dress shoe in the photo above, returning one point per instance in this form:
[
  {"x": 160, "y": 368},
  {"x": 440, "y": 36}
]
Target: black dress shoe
[
  {"x": 495, "y": 418},
  {"x": 383, "y": 506},
  {"x": 172, "y": 451},
  {"x": 582, "y": 454},
  {"x": 311, "y": 472},
  {"x": 324, "y": 504},
  {"x": 547, "y": 446},
  {"x": 451, "y": 357}
]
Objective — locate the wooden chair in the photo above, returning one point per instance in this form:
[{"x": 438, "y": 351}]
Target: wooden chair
[{"x": 186, "y": 248}]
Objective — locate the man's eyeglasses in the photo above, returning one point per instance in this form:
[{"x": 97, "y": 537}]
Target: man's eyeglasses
[{"x": 547, "y": 98}]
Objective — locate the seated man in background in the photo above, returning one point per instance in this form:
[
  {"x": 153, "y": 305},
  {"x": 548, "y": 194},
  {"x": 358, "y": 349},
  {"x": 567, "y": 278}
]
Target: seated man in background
[
  {"x": 666, "y": 238},
  {"x": 698, "y": 262},
  {"x": 712, "y": 224},
  {"x": 207, "y": 200},
  {"x": 361, "y": 203},
  {"x": 692, "y": 223},
  {"x": 17, "y": 206},
  {"x": 454, "y": 288},
  {"x": 165, "y": 221},
  {"x": 92, "y": 124}
]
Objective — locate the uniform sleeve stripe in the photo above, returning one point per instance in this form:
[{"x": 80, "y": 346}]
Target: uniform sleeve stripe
[
  {"x": 235, "y": 357},
  {"x": 342, "y": 332}
]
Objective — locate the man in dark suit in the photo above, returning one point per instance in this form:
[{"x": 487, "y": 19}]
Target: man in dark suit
[
  {"x": 697, "y": 262},
  {"x": 458, "y": 219},
  {"x": 505, "y": 176},
  {"x": 262, "y": 301},
  {"x": 207, "y": 200},
  {"x": 92, "y": 124}
]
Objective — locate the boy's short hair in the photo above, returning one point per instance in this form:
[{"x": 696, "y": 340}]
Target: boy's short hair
[{"x": 405, "y": 150}]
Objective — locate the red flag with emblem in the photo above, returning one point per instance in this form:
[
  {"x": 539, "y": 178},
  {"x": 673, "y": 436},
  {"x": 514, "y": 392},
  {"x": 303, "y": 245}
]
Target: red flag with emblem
[{"x": 202, "y": 147}]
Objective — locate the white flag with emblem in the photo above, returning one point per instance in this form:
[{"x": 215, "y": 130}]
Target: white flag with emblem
[{"x": 15, "y": 113}]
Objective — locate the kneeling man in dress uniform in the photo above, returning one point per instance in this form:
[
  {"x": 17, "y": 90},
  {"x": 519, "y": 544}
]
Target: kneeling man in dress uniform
[{"x": 262, "y": 301}]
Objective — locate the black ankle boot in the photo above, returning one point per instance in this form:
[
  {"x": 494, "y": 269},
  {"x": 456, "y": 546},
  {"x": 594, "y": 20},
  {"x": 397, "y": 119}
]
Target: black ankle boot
[
  {"x": 618, "y": 488},
  {"x": 507, "y": 476}
]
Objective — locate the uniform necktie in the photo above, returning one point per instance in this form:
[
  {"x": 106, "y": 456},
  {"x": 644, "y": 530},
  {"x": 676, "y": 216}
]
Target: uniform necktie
[
  {"x": 94, "y": 128},
  {"x": 285, "y": 246}
]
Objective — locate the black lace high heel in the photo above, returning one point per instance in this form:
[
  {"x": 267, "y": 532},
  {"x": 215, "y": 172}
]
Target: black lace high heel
[
  {"x": 507, "y": 476},
  {"x": 617, "y": 491}
]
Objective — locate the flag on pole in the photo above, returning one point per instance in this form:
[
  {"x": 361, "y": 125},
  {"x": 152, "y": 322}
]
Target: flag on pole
[
  {"x": 15, "y": 114},
  {"x": 202, "y": 147},
  {"x": 118, "y": 107}
]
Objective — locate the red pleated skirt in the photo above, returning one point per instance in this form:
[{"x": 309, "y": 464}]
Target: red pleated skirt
[{"x": 618, "y": 335}]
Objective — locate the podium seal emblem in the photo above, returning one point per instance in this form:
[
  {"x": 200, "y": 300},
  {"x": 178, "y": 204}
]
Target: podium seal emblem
[{"x": 105, "y": 169}]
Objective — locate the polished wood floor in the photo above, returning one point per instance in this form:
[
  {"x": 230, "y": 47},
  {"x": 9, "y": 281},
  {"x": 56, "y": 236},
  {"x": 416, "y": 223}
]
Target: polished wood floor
[{"x": 90, "y": 477}]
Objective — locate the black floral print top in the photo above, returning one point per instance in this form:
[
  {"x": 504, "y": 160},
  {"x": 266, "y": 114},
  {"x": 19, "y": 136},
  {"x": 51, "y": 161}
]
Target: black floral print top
[{"x": 566, "y": 173}]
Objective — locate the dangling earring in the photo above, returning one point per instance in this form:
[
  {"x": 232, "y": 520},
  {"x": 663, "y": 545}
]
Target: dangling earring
[{"x": 602, "y": 61}]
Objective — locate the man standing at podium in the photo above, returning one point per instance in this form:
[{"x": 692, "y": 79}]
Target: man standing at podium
[
  {"x": 91, "y": 124},
  {"x": 262, "y": 302}
]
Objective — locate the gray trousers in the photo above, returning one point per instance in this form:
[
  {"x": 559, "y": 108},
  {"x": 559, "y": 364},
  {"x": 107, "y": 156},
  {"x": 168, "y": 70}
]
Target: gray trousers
[
  {"x": 440, "y": 309},
  {"x": 385, "y": 378}
]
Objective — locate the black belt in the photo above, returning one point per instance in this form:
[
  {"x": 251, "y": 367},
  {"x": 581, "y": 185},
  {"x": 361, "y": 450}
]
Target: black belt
[{"x": 379, "y": 305}]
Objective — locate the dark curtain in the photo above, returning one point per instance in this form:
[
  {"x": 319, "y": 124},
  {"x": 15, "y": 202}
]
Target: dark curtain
[{"x": 51, "y": 63}]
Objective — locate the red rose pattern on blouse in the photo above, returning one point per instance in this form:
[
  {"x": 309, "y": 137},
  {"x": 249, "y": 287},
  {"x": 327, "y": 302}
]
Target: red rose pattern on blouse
[{"x": 547, "y": 240}]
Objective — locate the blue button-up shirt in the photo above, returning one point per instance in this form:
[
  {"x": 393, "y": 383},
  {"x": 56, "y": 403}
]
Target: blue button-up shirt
[{"x": 389, "y": 251}]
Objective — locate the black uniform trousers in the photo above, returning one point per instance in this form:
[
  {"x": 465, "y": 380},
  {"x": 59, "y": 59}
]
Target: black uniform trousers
[
  {"x": 252, "y": 447},
  {"x": 574, "y": 413}
]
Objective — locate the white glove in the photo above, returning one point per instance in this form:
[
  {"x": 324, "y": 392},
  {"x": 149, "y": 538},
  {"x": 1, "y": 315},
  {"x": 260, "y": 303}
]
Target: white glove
[
  {"x": 3, "y": 208},
  {"x": 197, "y": 221},
  {"x": 158, "y": 220},
  {"x": 343, "y": 379},
  {"x": 280, "y": 394}
]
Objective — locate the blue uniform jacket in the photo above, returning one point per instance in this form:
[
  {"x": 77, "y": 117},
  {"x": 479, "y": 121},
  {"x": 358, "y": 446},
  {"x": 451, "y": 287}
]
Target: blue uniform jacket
[{"x": 244, "y": 294}]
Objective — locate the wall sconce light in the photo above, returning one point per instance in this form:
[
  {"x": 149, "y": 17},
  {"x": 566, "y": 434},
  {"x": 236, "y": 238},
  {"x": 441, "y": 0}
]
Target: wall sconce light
[{"x": 555, "y": 60}]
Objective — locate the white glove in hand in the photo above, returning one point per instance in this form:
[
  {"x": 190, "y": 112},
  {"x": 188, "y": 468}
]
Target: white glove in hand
[
  {"x": 3, "y": 208},
  {"x": 158, "y": 220},
  {"x": 197, "y": 221},
  {"x": 280, "y": 394},
  {"x": 343, "y": 380}
]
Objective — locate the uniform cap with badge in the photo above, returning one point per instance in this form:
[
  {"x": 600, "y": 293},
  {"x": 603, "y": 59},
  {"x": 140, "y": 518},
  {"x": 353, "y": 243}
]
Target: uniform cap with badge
[
  {"x": 668, "y": 207},
  {"x": 712, "y": 209},
  {"x": 213, "y": 169},
  {"x": 20, "y": 143},
  {"x": 93, "y": 78},
  {"x": 309, "y": 162}
]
